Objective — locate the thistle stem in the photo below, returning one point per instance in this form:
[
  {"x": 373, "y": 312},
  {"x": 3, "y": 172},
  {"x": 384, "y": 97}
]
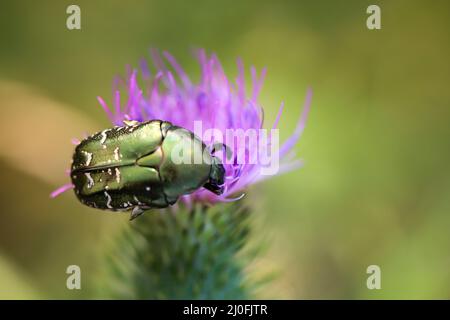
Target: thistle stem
[{"x": 193, "y": 253}]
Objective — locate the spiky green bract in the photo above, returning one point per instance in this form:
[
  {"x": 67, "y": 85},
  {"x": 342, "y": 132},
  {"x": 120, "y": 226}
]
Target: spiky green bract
[{"x": 193, "y": 253}]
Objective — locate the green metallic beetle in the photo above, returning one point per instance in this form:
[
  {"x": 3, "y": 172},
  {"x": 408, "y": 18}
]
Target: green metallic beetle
[{"x": 131, "y": 167}]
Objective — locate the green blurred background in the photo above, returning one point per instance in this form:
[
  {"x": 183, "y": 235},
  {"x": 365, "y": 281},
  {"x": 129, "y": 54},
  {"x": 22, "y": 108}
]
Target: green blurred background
[{"x": 375, "y": 188}]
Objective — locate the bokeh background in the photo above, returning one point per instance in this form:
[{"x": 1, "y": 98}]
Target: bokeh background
[{"x": 375, "y": 188}]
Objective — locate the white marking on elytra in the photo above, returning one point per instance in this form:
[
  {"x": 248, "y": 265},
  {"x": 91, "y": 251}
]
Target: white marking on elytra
[
  {"x": 108, "y": 200},
  {"x": 130, "y": 123},
  {"x": 103, "y": 139},
  {"x": 117, "y": 175},
  {"x": 116, "y": 153},
  {"x": 90, "y": 180},
  {"x": 88, "y": 157},
  {"x": 109, "y": 171},
  {"x": 147, "y": 188}
]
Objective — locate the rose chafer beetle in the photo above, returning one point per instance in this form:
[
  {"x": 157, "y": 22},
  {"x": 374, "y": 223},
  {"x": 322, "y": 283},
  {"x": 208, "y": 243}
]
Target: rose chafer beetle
[{"x": 131, "y": 167}]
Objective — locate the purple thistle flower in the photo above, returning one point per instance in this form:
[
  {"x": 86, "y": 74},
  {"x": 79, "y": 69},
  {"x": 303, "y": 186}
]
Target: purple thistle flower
[{"x": 215, "y": 101}]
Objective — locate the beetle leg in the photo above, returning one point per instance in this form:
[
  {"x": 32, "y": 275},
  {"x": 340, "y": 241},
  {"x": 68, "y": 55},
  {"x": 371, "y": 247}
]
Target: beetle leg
[{"x": 136, "y": 212}]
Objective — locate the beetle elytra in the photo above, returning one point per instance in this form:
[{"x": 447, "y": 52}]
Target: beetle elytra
[{"x": 130, "y": 167}]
